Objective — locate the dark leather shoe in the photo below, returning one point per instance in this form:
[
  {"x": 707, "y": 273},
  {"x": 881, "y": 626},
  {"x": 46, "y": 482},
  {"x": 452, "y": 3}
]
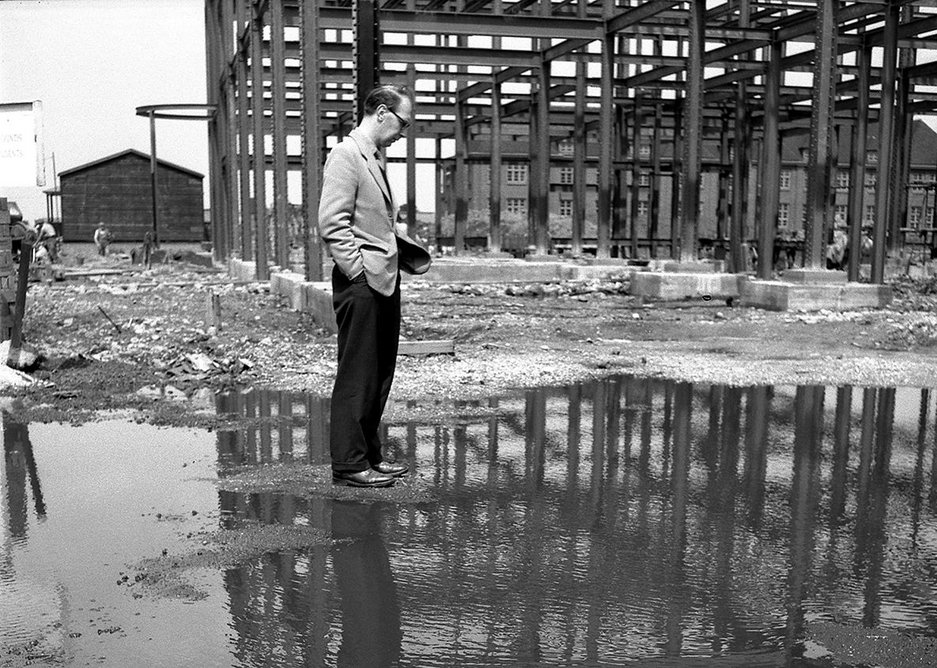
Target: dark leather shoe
[
  {"x": 388, "y": 468},
  {"x": 368, "y": 478}
]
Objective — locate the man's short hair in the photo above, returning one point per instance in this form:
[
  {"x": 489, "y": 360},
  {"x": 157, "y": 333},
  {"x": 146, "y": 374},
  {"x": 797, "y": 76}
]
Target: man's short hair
[{"x": 389, "y": 95}]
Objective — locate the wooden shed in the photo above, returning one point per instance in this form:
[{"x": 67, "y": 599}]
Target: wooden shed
[{"x": 117, "y": 190}]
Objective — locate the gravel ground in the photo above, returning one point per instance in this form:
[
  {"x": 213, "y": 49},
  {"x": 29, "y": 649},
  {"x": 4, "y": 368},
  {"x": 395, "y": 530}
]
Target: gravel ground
[{"x": 115, "y": 336}]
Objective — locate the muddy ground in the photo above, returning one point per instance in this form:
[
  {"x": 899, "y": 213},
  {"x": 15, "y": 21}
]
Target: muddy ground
[{"x": 113, "y": 335}]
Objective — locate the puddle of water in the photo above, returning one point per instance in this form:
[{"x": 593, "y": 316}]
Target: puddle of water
[
  {"x": 78, "y": 505},
  {"x": 625, "y": 521}
]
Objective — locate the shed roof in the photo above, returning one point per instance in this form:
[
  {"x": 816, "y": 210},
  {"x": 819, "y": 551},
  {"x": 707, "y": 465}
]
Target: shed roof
[{"x": 130, "y": 151}]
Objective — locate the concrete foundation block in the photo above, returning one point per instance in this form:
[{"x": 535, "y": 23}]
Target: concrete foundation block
[
  {"x": 586, "y": 272},
  {"x": 699, "y": 267},
  {"x": 241, "y": 270},
  {"x": 786, "y": 296},
  {"x": 814, "y": 276},
  {"x": 492, "y": 271},
  {"x": 673, "y": 286},
  {"x": 288, "y": 284},
  {"x": 317, "y": 302}
]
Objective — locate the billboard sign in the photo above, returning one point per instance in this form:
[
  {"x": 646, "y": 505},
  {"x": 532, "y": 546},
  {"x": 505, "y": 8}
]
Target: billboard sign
[{"x": 21, "y": 163}]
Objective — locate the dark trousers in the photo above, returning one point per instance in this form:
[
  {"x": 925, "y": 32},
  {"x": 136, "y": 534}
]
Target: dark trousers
[
  {"x": 368, "y": 331},
  {"x": 370, "y": 611}
]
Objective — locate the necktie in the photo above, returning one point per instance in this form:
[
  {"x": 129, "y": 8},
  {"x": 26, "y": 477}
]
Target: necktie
[
  {"x": 390, "y": 193},
  {"x": 380, "y": 164}
]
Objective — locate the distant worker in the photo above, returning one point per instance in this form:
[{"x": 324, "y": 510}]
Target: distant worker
[
  {"x": 49, "y": 239},
  {"x": 149, "y": 244},
  {"x": 102, "y": 239}
]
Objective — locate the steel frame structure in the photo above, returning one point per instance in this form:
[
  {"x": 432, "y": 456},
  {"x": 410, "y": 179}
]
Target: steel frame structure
[{"x": 739, "y": 74}]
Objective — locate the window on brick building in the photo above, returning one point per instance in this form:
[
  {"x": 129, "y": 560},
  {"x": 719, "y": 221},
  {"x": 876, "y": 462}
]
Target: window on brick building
[
  {"x": 516, "y": 205},
  {"x": 516, "y": 172}
]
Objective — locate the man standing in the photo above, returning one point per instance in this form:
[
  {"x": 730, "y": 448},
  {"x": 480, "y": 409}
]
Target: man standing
[
  {"x": 357, "y": 218},
  {"x": 102, "y": 238}
]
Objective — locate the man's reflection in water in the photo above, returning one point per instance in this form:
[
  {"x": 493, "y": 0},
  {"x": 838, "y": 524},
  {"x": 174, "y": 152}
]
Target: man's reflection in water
[{"x": 370, "y": 612}]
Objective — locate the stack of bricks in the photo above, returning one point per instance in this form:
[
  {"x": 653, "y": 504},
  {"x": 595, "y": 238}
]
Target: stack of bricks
[{"x": 7, "y": 274}]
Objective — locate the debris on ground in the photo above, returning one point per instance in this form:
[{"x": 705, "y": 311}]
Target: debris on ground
[{"x": 103, "y": 338}]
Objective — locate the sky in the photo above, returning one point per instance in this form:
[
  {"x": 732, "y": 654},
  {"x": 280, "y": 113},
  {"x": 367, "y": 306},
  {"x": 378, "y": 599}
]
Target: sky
[{"x": 91, "y": 63}]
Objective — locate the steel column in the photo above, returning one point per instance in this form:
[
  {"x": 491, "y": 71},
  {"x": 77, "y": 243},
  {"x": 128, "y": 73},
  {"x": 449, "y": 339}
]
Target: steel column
[
  {"x": 653, "y": 209},
  {"x": 411, "y": 154},
  {"x": 494, "y": 192},
  {"x": 675, "y": 182},
  {"x": 724, "y": 172},
  {"x": 771, "y": 167},
  {"x": 693, "y": 130},
  {"x": 856, "y": 208},
  {"x": 261, "y": 234},
  {"x": 886, "y": 141},
  {"x": 312, "y": 143},
  {"x": 821, "y": 123},
  {"x": 637, "y": 122},
  {"x": 365, "y": 52},
  {"x": 213, "y": 63},
  {"x": 461, "y": 179},
  {"x": 154, "y": 179},
  {"x": 579, "y": 162},
  {"x": 606, "y": 177},
  {"x": 741, "y": 166},
  {"x": 542, "y": 189},
  {"x": 281, "y": 205},
  {"x": 440, "y": 184},
  {"x": 533, "y": 160},
  {"x": 904, "y": 126}
]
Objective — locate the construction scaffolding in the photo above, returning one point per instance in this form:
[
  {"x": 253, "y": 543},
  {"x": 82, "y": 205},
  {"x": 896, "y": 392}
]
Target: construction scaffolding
[{"x": 652, "y": 92}]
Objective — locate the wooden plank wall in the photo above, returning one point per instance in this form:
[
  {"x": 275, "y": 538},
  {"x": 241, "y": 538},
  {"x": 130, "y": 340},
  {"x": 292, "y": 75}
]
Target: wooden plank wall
[{"x": 119, "y": 193}]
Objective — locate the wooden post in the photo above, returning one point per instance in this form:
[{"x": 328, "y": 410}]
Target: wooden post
[
  {"x": 213, "y": 311},
  {"x": 22, "y": 277}
]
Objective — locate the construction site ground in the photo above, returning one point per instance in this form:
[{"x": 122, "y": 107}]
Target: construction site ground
[{"x": 114, "y": 336}]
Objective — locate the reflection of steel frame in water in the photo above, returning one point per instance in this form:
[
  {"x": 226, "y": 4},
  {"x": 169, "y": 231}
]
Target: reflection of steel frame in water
[
  {"x": 716, "y": 450},
  {"x": 32, "y": 611},
  {"x": 20, "y": 464},
  {"x": 263, "y": 435}
]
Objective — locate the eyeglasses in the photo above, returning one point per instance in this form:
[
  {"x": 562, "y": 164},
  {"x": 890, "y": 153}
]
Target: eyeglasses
[{"x": 403, "y": 124}]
